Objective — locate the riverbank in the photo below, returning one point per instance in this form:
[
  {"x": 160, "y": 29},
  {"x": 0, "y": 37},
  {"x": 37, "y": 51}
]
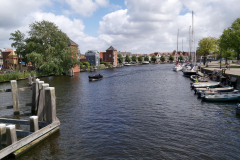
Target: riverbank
[{"x": 232, "y": 71}]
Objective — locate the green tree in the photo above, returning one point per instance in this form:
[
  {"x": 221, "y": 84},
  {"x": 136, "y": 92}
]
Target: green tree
[
  {"x": 206, "y": 46},
  {"x": 140, "y": 58},
  {"x": 146, "y": 58},
  {"x": 120, "y": 58},
  {"x": 134, "y": 58},
  {"x": 181, "y": 58},
  {"x": 86, "y": 64},
  {"x": 230, "y": 39},
  {"x": 154, "y": 58},
  {"x": 81, "y": 65},
  {"x": 162, "y": 58},
  {"x": 127, "y": 59},
  {"x": 190, "y": 57},
  {"x": 171, "y": 58},
  {"x": 47, "y": 46}
]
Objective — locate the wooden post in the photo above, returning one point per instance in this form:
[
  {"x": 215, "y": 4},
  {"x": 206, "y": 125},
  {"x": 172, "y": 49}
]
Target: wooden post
[
  {"x": 35, "y": 93},
  {"x": 41, "y": 105},
  {"x": 34, "y": 124},
  {"x": 2, "y": 133},
  {"x": 11, "y": 134},
  {"x": 34, "y": 78},
  {"x": 29, "y": 79},
  {"x": 15, "y": 97},
  {"x": 50, "y": 103}
]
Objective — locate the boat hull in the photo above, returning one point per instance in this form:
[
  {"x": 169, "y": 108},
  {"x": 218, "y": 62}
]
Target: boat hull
[{"x": 222, "y": 98}]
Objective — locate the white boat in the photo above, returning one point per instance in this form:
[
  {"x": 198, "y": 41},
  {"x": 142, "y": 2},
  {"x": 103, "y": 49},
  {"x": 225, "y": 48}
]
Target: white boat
[
  {"x": 205, "y": 84},
  {"x": 210, "y": 92},
  {"x": 224, "y": 89},
  {"x": 145, "y": 62},
  {"x": 177, "y": 68},
  {"x": 222, "y": 97},
  {"x": 127, "y": 64}
]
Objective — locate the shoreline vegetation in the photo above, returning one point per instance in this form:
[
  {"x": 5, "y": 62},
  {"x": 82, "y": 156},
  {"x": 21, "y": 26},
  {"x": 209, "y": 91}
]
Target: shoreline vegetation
[{"x": 16, "y": 75}]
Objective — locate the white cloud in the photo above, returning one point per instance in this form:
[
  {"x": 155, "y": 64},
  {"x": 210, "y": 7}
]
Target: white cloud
[{"x": 86, "y": 7}]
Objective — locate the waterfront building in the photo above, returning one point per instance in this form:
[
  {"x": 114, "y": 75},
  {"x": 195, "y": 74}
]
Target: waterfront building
[
  {"x": 110, "y": 56},
  {"x": 74, "y": 49},
  {"x": 124, "y": 54},
  {"x": 5, "y": 53},
  {"x": 92, "y": 56}
]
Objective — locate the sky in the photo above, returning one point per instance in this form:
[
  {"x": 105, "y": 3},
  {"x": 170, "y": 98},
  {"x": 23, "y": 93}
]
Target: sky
[{"x": 136, "y": 26}]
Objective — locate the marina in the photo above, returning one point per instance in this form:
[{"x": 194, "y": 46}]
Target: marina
[{"x": 104, "y": 122}]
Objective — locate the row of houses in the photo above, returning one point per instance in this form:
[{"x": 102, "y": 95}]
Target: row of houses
[
  {"x": 9, "y": 60},
  {"x": 110, "y": 56}
]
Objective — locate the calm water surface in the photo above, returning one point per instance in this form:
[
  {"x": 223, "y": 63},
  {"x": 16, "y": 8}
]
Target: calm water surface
[{"x": 137, "y": 112}]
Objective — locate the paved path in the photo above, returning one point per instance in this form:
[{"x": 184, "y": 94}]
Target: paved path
[{"x": 215, "y": 65}]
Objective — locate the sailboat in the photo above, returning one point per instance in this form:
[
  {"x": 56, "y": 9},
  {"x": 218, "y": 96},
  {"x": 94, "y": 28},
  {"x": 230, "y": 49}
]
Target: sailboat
[{"x": 192, "y": 70}]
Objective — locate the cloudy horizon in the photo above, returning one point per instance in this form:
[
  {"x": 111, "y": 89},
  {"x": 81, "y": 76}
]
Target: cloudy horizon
[{"x": 137, "y": 26}]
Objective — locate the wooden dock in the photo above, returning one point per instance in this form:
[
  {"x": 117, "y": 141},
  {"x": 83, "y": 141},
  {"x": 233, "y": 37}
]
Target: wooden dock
[{"x": 42, "y": 123}]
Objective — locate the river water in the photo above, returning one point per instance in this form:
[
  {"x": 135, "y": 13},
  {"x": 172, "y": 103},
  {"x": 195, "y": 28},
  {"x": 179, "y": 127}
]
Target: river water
[{"x": 137, "y": 112}]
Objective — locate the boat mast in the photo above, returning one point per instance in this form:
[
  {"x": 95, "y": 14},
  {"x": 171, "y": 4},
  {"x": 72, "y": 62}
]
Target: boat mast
[
  {"x": 177, "y": 43},
  {"x": 190, "y": 54},
  {"x": 193, "y": 40}
]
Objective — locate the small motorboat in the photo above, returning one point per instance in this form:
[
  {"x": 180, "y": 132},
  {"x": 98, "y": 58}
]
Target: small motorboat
[
  {"x": 127, "y": 64},
  {"x": 222, "y": 97},
  {"x": 238, "y": 109},
  {"x": 210, "y": 92},
  {"x": 145, "y": 62},
  {"x": 224, "y": 89},
  {"x": 205, "y": 84},
  {"x": 95, "y": 77},
  {"x": 199, "y": 78}
]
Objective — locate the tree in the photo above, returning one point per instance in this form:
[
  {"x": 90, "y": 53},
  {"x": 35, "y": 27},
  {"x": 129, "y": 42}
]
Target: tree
[
  {"x": 181, "y": 58},
  {"x": 46, "y": 48},
  {"x": 134, "y": 58},
  {"x": 230, "y": 39},
  {"x": 162, "y": 58},
  {"x": 140, "y": 59},
  {"x": 127, "y": 59},
  {"x": 86, "y": 64},
  {"x": 120, "y": 58},
  {"x": 171, "y": 58},
  {"x": 146, "y": 58},
  {"x": 154, "y": 58},
  {"x": 190, "y": 57},
  {"x": 206, "y": 46}
]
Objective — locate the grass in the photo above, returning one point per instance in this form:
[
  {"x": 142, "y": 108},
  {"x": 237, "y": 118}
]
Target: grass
[{"x": 15, "y": 75}]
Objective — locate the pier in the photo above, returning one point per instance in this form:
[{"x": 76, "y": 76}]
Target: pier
[{"x": 42, "y": 123}]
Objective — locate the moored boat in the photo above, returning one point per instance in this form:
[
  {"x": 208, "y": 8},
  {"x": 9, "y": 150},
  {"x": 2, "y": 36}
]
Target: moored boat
[
  {"x": 205, "y": 84},
  {"x": 200, "y": 79},
  {"x": 127, "y": 64},
  {"x": 210, "y": 92},
  {"x": 177, "y": 68},
  {"x": 223, "y": 89},
  {"x": 145, "y": 62},
  {"x": 222, "y": 97}
]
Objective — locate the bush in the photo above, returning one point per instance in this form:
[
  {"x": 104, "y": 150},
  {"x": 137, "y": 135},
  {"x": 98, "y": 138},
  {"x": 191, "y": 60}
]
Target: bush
[{"x": 105, "y": 63}]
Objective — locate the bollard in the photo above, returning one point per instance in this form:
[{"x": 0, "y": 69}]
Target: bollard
[
  {"x": 35, "y": 93},
  {"x": 50, "y": 104},
  {"x": 2, "y": 133},
  {"x": 11, "y": 134},
  {"x": 29, "y": 79},
  {"x": 34, "y": 124},
  {"x": 15, "y": 97},
  {"x": 41, "y": 105}
]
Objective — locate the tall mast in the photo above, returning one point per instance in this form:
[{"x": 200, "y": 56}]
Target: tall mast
[
  {"x": 182, "y": 45},
  {"x": 193, "y": 39},
  {"x": 190, "y": 42},
  {"x": 177, "y": 40}
]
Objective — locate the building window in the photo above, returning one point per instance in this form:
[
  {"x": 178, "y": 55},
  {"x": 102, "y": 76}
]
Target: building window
[{"x": 109, "y": 55}]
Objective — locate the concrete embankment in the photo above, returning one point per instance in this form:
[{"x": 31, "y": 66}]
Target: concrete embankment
[{"x": 233, "y": 72}]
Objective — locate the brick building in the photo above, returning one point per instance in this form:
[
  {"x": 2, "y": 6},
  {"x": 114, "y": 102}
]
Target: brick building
[
  {"x": 110, "y": 56},
  {"x": 74, "y": 49}
]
